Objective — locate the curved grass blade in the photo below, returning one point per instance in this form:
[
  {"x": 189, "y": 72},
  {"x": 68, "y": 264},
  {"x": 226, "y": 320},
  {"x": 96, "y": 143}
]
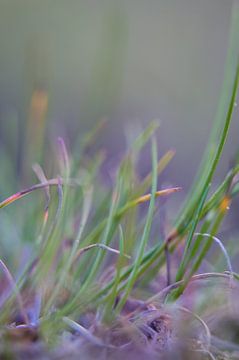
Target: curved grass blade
[
  {"x": 22, "y": 193},
  {"x": 195, "y": 221},
  {"x": 222, "y": 247}
]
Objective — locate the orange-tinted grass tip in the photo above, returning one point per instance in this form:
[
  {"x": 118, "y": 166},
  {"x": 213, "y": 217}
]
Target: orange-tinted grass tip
[
  {"x": 158, "y": 193},
  {"x": 225, "y": 204}
]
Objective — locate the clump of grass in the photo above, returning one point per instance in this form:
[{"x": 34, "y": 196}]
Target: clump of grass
[
  {"x": 94, "y": 295},
  {"x": 109, "y": 301}
]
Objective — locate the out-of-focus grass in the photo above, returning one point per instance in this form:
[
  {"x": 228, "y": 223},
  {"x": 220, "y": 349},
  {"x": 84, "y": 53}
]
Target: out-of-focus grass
[{"x": 89, "y": 246}]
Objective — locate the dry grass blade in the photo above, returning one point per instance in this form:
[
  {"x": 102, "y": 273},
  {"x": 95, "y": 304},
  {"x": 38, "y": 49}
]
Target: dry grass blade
[
  {"x": 222, "y": 247},
  {"x": 51, "y": 182},
  {"x": 64, "y": 158},
  {"x": 101, "y": 246},
  {"x": 202, "y": 322},
  {"x": 207, "y": 352},
  {"x": 161, "y": 295},
  {"x": 145, "y": 198},
  {"x": 41, "y": 176},
  {"x": 158, "y": 193}
]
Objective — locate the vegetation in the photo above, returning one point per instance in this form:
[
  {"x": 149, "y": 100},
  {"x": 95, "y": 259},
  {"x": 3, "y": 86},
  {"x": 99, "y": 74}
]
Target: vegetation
[{"x": 94, "y": 273}]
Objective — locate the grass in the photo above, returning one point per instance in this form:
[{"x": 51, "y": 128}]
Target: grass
[{"x": 95, "y": 253}]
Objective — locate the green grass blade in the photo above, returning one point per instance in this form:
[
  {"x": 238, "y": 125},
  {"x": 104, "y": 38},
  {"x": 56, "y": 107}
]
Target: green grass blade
[{"x": 145, "y": 235}]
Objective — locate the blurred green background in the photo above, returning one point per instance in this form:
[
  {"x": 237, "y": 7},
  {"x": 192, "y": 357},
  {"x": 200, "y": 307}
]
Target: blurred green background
[{"x": 130, "y": 61}]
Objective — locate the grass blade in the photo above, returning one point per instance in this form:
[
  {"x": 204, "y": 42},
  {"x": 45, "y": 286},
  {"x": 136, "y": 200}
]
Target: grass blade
[{"x": 145, "y": 235}]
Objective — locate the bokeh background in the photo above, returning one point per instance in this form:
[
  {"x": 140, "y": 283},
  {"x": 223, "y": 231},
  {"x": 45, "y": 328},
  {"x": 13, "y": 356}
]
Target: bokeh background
[{"x": 75, "y": 62}]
